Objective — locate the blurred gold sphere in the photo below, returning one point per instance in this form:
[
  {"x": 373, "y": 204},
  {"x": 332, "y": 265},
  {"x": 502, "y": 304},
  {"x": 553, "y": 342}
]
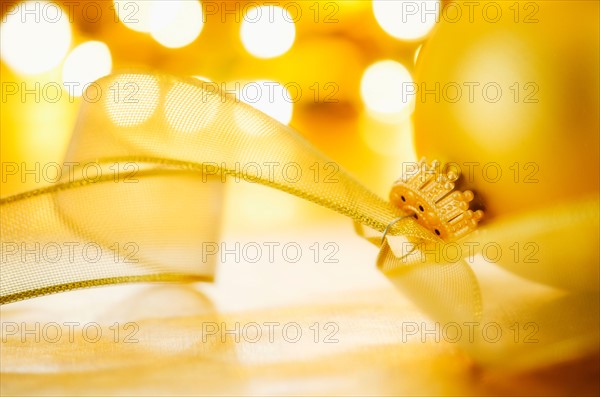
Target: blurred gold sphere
[{"x": 513, "y": 100}]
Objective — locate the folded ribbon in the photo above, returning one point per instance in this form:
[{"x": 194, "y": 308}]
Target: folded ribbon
[{"x": 143, "y": 188}]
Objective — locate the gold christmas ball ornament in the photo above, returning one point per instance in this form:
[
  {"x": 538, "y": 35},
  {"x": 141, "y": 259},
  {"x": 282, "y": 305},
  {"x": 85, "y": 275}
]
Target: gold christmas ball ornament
[{"x": 511, "y": 102}]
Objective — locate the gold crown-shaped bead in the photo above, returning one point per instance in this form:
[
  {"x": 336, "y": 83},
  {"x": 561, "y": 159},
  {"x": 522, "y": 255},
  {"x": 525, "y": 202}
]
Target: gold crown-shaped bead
[{"x": 428, "y": 192}]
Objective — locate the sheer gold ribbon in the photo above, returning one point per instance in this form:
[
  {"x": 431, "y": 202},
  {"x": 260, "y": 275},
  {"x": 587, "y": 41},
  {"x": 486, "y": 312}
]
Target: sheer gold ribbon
[
  {"x": 142, "y": 188},
  {"x": 143, "y": 192}
]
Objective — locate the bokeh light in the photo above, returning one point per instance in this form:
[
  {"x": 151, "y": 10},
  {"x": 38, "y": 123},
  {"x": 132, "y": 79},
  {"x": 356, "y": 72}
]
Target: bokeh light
[
  {"x": 37, "y": 41},
  {"x": 406, "y": 19},
  {"x": 269, "y": 97},
  {"x": 267, "y": 31},
  {"x": 385, "y": 88},
  {"x": 86, "y": 63},
  {"x": 175, "y": 24},
  {"x": 134, "y": 14}
]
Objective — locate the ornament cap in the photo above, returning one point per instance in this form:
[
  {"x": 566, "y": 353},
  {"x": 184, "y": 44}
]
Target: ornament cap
[{"x": 428, "y": 193}]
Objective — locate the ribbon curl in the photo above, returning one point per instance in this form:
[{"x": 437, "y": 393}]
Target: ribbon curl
[{"x": 158, "y": 147}]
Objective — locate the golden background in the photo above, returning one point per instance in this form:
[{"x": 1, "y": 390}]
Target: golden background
[{"x": 335, "y": 43}]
